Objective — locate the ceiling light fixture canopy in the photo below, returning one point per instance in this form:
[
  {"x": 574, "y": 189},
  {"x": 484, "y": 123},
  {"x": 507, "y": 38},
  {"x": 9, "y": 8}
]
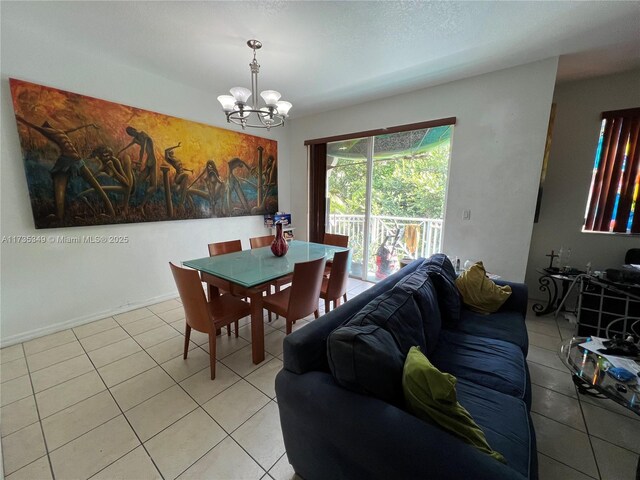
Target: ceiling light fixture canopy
[{"x": 239, "y": 111}]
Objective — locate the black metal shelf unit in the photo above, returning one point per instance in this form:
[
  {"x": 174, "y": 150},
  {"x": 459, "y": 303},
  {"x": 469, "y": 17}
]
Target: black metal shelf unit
[{"x": 603, "y": 304}]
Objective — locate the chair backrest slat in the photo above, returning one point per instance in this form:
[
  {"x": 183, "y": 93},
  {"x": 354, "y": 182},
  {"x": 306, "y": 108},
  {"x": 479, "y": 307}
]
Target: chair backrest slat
[
  {"x": 336, "y": 240},
  {"x": 193, "y": 298},
  {"x": 305, "y": 288},
  {"x": 337, "y": 285},
  {"x": 259, "y": 242},
  {"x": 220, "y": 248}
]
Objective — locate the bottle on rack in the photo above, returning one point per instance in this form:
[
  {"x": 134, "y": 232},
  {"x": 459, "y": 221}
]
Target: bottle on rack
[{"x": 560, "y": 257}]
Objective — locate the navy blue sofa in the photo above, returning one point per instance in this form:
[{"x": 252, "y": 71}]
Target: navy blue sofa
[{"x": 331, "y": 432}]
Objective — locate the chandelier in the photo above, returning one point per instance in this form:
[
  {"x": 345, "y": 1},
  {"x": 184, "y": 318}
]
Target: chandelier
[{"x": 241, "y": 113}]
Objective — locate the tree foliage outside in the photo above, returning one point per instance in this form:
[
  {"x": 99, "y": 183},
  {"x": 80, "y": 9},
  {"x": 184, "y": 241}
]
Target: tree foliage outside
[
  {"x": 404, "y": 186},
  {"x": 409, "y": 179}
]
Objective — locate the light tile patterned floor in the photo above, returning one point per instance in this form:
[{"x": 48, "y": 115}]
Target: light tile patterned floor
[
  {"x": 579, "y": 437},
  {"x": 114, "y": 399}
]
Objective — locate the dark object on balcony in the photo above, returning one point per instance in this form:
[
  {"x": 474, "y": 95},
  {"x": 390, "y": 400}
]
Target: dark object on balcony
[{"x": 386, "y": 255}]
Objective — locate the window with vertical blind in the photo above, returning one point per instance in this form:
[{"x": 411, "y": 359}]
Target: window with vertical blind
[{"x": 612, "y": 206}]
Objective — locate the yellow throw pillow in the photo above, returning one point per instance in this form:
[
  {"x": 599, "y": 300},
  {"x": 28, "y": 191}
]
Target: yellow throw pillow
[
  {"x": 431, "y": 396},
  {"x": 479, "y": 292}
]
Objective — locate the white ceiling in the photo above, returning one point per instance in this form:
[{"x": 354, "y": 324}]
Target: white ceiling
[{"x": 323, "y": 54}]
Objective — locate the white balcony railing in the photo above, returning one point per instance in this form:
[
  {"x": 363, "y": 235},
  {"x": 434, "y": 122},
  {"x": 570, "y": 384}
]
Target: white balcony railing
[{"x": 384, "y": 227}]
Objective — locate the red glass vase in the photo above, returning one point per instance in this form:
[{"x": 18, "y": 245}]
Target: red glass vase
[{"x": 279, "y": 247}]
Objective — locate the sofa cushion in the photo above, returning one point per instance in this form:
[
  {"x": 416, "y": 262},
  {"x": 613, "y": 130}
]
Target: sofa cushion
[
  {"x": 397, "y": 312},
  {"x": 495, "y": 364},
  {"x": 431, "y": 396},
  {"x": 419, "y": 284},
  {"x": 505, "y": 422},
  {"x": 365, "y": 359},
  {"x": 442, "y": 261},
  {"x": 508, "y": 326},
  {"x": 443, "y": 275},
  {"x": 306, "y": 348},
  {"x": 479, "y": 292}
]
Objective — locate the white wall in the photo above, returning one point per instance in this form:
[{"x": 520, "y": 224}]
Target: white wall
[
  {"x": 498, "y": 144},
  {"x": 573, "y": 148},
  {"x": 47, "y": 287},
  {"x": 497, "y": 151}
]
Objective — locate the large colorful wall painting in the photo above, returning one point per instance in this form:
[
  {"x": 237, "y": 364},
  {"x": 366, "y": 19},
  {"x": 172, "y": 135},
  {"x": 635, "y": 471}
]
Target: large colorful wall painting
[{"x": 93, "y": 162}]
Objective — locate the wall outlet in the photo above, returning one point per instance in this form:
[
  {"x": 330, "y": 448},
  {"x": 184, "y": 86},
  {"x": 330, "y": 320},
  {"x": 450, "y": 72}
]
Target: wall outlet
[{"x": 466, "y": 214}]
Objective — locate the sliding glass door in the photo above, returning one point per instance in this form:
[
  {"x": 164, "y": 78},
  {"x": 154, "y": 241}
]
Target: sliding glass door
[
  {"x": 347, "y": 173},
  {"x": 387, "y": 193}
]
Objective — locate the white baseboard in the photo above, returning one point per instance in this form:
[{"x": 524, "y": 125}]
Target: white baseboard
[{"x": 76, "y": 322}]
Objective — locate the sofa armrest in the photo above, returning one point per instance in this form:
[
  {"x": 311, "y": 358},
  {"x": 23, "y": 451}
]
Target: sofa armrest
[
  {"x": 518, "y": 301},
  {"x": 330, "y": 432}
]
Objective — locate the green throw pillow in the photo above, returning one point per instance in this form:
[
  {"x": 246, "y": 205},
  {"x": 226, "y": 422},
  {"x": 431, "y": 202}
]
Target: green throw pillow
[
  {"x": 479, "y": 292},
  {"x": 431, "y": 396}
]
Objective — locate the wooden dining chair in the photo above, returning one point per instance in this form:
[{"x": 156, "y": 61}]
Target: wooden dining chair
[
  {"x": 206, "y": 316},
  {"x": 301, "y": 298},
  {"x": 222, "y": 248},
  {"x": 259, "y": 242},
  {"x": 334, "y": 288},
  {"x": 337, "y": 241}
]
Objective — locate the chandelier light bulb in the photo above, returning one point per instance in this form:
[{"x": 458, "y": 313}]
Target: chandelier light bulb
[
  {"x": 270, "y": 97},
  {"x": 267, "y": 118},
  {"x": 241, "y": 94},
  {"x": 228, "y": 102},
  {"x": 283, "y": 108}
]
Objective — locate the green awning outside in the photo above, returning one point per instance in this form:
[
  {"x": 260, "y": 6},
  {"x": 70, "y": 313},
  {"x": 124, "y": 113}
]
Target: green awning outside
[{"x": 395, "y": 145}]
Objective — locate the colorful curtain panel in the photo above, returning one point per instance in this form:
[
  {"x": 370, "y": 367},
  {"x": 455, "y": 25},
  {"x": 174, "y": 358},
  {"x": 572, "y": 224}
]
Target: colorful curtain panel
[{"x": 613, "y": 198}]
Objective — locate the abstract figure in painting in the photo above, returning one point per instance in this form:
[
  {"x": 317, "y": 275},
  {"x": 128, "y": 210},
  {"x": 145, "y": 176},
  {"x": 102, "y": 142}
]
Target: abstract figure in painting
[
  {"x": 113, "y": 167},
  {"x": 69, "y": 163},
  {"x": 181, "y": 177},
  {"x": 234, "y": 185},
  {"x": 216, "y": 188},
  {"x": 150, "y": 170}
]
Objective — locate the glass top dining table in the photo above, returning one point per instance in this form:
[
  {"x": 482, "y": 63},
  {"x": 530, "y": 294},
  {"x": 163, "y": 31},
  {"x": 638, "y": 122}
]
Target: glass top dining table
[
  {"x": 258, "y": 266},
  {"x": 246, "y": 272}
]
